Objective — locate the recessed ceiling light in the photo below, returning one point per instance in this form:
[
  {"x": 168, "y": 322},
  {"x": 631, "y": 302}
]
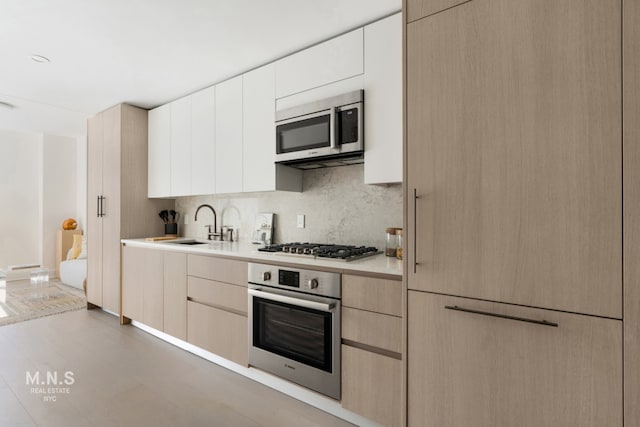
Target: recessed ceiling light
[
  {"x": 39, "y": 58},
  {"x": 7, "y": 105}
]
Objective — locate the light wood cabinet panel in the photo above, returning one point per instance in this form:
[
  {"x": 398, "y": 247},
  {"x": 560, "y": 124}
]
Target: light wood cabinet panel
[
  {"x": 367, "y": 293},
  {"x": 203, "y": 141},
  {"x": 372, "y": 329},
  {"x": 383, "y": 89},
  {"x": 175, "y": 294},
  {"x": 142, "y": 285},
  {"x": 111, "y": 208},
  {"x": 218, "y": 331},
  {"x": 513, "y": 149},
  {"x": 94, "y": 222},
  {"x": 631, "y": 219},
  {"x": 328, "y": 62},
  {"x": 228, "y": 162},
  {"x": 469, "y": 369},
  {"x": 181, "y": 147},
  {"x": 222, "y": 295},
  {"x": 219, "y": 269},
  {"x": 417, "y": 9},
  {"x": 371, "y": 385},
  {"x": 159, "y": 154}
]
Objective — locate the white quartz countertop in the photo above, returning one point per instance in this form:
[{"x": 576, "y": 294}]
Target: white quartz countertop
[{"x": 377, "y": 265}]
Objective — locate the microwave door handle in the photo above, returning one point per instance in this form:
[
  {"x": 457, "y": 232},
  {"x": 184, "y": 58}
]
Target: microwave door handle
[
  {"x": 332, "y": 127},
  {"x": 293, "y": 301}
]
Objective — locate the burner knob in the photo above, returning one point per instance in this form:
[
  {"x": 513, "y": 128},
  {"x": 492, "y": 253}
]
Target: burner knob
[
  {"x": 266, "y": 275},
  {"x": 312, "y": 283}
]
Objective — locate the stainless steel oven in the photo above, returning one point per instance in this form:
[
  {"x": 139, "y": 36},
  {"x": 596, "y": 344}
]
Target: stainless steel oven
[{"x": 294, "y": 325}]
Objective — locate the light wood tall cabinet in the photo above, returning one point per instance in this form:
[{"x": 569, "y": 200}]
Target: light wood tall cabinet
[
  {"x": 514, "y": 212},
  {"x": 514, "y": 155},
  {"x": 117, "y": 204}
]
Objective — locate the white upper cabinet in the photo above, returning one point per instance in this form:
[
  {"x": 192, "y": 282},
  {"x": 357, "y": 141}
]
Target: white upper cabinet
[
  {"x": 228, "y": 161},
  {"x": 159, "y": 152},
  {"x": 383, "y": 101},
  {"x": 260, "y": 173},
  {"x": 203, "y": 140},
  {"x": 259, "y": 103},
  {"x": 181, "y": 147},
  {"x": 328, "y": 62}
]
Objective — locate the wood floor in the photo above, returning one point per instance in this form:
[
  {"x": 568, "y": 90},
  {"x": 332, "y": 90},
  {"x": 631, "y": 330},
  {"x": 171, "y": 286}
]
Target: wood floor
[{"x": 123, "y": 376}]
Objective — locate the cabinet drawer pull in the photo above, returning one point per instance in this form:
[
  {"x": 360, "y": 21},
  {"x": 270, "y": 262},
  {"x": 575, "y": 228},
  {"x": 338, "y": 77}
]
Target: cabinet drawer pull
[
  {"x": 415, "y": 230},
  {"x": 502, "y": 316}
]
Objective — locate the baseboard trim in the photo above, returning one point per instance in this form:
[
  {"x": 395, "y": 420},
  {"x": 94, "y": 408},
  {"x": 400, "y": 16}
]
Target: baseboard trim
[{"x": 297, "y": 392}]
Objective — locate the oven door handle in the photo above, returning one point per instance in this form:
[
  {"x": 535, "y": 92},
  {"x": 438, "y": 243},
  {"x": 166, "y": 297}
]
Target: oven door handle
[{"x": 293, "y": 301}]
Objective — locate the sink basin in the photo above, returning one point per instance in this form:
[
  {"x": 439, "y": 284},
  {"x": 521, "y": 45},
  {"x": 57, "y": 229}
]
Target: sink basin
[{"x": 188, "y": 242}]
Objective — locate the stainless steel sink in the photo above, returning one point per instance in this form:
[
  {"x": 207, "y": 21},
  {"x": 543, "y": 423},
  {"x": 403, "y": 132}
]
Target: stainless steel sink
[{"x": 189, "y": 242}]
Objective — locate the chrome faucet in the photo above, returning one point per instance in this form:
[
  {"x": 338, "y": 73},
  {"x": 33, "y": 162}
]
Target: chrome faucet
[{"x": 215, "y": 230}]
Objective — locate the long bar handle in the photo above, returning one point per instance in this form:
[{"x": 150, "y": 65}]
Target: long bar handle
[
  {"x": 98, "y": 206},
  {"x": 332, "y": 128},
  {"x": 502, "y": 316},
  {"x": 415, "y": 230},
  {"x": 293, "y": 301}
]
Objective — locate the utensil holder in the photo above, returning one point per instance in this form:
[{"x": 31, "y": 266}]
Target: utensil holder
[{"x": 171, "y": 229}]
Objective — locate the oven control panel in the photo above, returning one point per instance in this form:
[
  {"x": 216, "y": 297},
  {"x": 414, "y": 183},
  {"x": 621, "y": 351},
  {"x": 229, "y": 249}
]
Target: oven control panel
[{"x": 296, "y": 279}]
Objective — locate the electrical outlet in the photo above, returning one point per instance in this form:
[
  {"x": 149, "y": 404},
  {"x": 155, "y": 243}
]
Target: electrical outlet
[{"x": 300, "y": 222}]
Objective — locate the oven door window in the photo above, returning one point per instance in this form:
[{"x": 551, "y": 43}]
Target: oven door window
[
  {"x": 298, "y": 333},
  {"x": 303, "y": 135}
]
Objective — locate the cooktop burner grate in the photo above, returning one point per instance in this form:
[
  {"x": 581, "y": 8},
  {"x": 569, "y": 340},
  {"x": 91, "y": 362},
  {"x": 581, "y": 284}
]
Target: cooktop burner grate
[{"x": 321, "y": 250}]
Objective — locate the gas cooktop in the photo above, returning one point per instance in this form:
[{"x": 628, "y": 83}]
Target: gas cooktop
[{"x": 321, "y": 250}]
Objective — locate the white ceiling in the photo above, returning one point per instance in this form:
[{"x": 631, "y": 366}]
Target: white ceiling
[{"x": 147, "y": 52}]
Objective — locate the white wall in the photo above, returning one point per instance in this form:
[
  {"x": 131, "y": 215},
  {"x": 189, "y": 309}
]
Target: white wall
[
  {"x": 59, "y": 199},
  {"x": 20, "y": 198},
  {"x": 81, "y": 178},
  {"x": 39, "y": 187}
]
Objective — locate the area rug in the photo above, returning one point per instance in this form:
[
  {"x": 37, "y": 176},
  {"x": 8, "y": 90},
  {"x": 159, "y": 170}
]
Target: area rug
[{"x": 20, "y": 301}]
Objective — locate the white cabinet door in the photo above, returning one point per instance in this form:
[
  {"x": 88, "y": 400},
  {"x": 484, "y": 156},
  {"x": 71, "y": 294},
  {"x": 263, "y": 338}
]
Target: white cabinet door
[
  {"x": 383, "y": 94},
  {"x": 203, "y": 140},
  {"x": 159, "y": 152},
  {"x": 228, "y": 163},
  {"x": 333, "y": 60},
  {"x": 181, "y": 147},
  {"x": 259, "y": 172}
]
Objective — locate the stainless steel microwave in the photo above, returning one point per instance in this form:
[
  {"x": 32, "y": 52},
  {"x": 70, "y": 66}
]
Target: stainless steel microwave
[{"x": 323, "y": 133}]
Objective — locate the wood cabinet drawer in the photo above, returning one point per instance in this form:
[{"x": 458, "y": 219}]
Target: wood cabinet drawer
[
  {"x": 218, "y": 294},
  {"x": 371, "y": 385},
  {"x": 417, "y": 9},
  {"x": 477, "y": 369},
  {"x": 222, "y": 270},
  {"x": 218, "y": 331},
  {"x": 366, "y": 293},
  {"x": 372, "y": 329}
]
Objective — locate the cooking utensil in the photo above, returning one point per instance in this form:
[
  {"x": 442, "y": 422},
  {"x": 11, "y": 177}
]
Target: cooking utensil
[
  {"x": 164, "y": 215},
  {"x": 173, "y": 216}
]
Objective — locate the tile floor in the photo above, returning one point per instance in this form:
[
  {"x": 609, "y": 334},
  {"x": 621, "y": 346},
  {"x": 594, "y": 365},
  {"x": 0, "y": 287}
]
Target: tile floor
[{"x": 122, "y": 376}]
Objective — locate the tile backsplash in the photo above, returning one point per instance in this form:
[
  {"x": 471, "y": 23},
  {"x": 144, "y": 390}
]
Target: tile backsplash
[{"x": 338, "y": 208}]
